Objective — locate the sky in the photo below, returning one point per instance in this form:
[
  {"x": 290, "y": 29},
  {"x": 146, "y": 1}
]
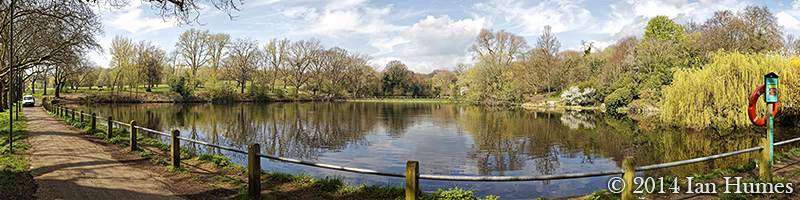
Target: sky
[{"x": 425, "y": 35}]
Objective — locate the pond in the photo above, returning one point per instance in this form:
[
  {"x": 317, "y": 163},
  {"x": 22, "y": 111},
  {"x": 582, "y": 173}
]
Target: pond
[{"x": 446, "y": 139}]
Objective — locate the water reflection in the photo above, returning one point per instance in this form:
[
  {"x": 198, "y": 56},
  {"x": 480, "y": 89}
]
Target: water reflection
[
  {"x": 577, "y": 119},
  {"x": 446, "y": 139}
]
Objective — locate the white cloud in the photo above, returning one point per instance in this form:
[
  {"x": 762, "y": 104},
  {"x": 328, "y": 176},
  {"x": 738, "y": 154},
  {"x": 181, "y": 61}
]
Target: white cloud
[
  {"x": 260, "y": 3},
  {"x": 341, "y": 19},
  {"x": 562, "y": 16},
  {"x": 386, "y": 45},
  {"x": 655, "y": 8},
  {"x": 788, "y": 21},
  {"x": 442, "y": 36},
  {"x": 131, "y": 20},
  {"x": 345, "y": 4},
  {"x": 796, "y": 4},
  {"x": 629, "y": 18}
]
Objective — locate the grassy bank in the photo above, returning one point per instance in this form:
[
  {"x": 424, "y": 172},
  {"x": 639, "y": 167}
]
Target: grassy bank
[
  {"x": 16, "y": 181},
  {"x": 275, "y": 185}
]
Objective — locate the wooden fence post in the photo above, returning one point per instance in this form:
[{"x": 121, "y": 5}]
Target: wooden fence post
[
  {"x": 71, "y": 111},
  {"x": 94, "y": 120},
  {"x": 133, "y": 135},
  {"x": 764, "y": 168},
  {"x": 412, "y": 180},
  {"x": 110, "y": 128},
  {"x": 254, "y": 171},
  {"x": 630, "y": 173},
  {"x": 81, "y": 115},
  {"x": 176, "y": 149}
]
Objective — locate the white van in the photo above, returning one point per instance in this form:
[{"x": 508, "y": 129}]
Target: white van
[{"x": 28, "y": 100}]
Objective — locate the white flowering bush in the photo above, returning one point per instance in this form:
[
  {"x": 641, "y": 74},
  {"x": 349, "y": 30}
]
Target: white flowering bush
[{"x": 574, "y": 96}]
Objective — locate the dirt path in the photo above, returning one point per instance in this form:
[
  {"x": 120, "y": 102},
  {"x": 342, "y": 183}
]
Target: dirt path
[{"x": 67, "y": 166}]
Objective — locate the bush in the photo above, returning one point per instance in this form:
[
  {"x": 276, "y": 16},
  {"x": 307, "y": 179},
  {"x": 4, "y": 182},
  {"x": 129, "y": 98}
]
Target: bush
[
  {"x": 219, "y": 161},
  {"x": 181, "y": 86},
  {"x": 453, "y": 194},
  {"x": 617, "y": 99},
  {"x": 260, "y": 93},
  {"x": 221, "y": 94},
  {"x": 573, "y": 96}
]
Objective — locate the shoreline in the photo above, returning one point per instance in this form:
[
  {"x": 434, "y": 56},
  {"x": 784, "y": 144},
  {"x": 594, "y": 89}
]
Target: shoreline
[{"x": 399, "y": 101}]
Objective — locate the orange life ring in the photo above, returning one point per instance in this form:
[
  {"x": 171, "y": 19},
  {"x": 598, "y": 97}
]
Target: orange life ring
[{"x": 751, "y": 109}]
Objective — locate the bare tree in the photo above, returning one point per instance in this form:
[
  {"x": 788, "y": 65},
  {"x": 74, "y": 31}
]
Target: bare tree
[
  {"x": 500, "y": 48},
  {"x": 194, "y": 49},
  {"x": 276, "y": 58},
  {"x": 150, "y": 60},
  {"x": 545, "y": 54},
  {"x": 359, "y": 77},
  {"x": 53, "y": 31},
  {"x": 244, "y": 56},
  {"x": 184, "y": 11},
  {"x": 218, "y": 44},
  {"x": 336, "y": 65},
  {"x": 754, "y": 29},
  {"x": 85, "y": 73},
  {"x": 301, "y": 57}
]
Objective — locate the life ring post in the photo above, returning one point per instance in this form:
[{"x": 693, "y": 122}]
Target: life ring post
[{"x": 770, "y": 91}]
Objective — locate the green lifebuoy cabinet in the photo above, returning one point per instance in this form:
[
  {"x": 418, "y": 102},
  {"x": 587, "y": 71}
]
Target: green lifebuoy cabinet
[{"x": 771, "y": 90}]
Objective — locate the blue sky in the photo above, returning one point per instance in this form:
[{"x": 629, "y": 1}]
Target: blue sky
[{"x": 425, "y": 35}]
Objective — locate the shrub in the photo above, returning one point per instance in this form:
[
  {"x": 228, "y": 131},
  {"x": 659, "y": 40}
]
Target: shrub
[
  {"x": 181, "y": 86},
  {"x": 573, "y": 96},
  {"x": 260, "y": 93},
  {"x": 453, "y": 194},
  {"x": 221, "y": 94},
  {"x": 617, "y": 99}
]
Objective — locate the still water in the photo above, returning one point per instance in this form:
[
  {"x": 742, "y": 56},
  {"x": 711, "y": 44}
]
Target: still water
[{"x": 447, "y": 139}]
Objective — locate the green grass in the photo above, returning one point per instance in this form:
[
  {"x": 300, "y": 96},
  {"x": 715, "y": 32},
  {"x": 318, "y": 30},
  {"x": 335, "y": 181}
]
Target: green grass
[
  {"x": 15, "y": 180},
  {"x": 219, "y": 161},
  {"x": 18, "y": 136}
]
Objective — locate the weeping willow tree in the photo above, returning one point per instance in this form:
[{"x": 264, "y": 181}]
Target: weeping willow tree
[
  {"x": 792, "y": 81},
  {"x": 717, "y": 95}
]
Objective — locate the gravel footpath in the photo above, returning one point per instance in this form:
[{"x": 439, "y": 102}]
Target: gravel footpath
[{"x": 67, "y": 166}]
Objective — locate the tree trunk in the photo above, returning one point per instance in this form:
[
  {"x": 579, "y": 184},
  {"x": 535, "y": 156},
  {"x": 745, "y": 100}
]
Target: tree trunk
[
  {"x": 58, "y": 90},
  {"x": 245, "y": 83},
  {"x": 45, "y": 85},
  {"x": 274, "y": 78},
  {"x": 3, "y": 100}
]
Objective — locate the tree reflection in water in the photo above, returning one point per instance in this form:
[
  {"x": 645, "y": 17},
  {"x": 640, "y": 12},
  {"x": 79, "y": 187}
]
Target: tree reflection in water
[{"x": 496, "y": 141}]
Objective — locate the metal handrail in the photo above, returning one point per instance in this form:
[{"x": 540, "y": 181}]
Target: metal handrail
[
  {"x": 697, "y": 160},
  {"x": 472, "y": 178}
]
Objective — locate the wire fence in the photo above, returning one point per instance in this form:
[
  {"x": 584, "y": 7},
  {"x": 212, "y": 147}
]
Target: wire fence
[{"x": 448, "y": 177}]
